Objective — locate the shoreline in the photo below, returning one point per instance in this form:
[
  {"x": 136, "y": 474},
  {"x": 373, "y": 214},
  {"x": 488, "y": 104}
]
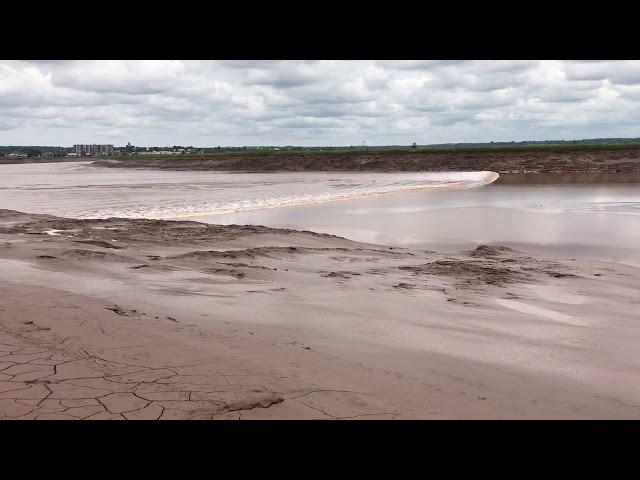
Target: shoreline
[
  {"x": 525, "y": 161},
  {"x": 594, "y": 178},
  {"x": 179, "y": 319}
]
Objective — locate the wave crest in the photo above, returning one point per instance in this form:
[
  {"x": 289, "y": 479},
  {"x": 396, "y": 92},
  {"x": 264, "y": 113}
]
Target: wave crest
[{"x": 348, "y": 190}]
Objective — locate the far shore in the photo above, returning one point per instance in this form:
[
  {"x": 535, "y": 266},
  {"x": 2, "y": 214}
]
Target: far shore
[
  {"x": 534, "y": 161},
  {"x": 502, "y": 161}
]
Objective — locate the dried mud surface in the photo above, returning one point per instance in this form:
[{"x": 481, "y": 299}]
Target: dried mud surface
[{"x": 149, "y": 319}]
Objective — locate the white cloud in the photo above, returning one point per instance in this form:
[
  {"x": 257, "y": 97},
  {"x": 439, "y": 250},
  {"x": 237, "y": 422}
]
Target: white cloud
[{"x": 314, "y": 102}]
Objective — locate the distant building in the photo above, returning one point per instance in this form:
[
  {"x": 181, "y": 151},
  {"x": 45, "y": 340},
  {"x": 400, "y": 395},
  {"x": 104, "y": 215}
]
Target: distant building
[
  {"x": 82, "y": 150},
  {"x": 161, "y": 152}
]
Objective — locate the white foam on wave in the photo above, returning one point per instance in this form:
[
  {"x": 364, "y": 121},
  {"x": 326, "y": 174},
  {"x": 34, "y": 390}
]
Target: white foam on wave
[{"x": 382, "y": 184}]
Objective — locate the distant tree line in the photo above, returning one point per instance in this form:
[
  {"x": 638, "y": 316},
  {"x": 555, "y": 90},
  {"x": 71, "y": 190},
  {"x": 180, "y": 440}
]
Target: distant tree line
[
  {"x": 41, "y": 151},
  {"x": 34, "y": 151}
]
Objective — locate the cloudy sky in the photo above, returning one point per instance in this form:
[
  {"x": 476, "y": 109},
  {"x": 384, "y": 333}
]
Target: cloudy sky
[{"x": 210, "y": 103}]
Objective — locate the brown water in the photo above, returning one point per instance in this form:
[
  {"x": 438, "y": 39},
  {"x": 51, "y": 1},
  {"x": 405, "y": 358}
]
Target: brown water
[
  {"x": 597, "y": 220},
  {"x": 592, "y": 215}
]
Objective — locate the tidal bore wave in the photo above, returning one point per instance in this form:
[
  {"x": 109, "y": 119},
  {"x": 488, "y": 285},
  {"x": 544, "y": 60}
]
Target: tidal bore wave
[{"x": 248, "y": 199}]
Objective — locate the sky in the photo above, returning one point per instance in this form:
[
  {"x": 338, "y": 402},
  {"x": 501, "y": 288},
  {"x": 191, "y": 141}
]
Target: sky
[{"x": 315, "y": 103}]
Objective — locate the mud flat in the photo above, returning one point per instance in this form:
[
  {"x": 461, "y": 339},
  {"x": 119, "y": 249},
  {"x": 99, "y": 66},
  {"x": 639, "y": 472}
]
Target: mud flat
[
  {"x": 502, "y": 161},
  {"x": 149, "y": 319}
]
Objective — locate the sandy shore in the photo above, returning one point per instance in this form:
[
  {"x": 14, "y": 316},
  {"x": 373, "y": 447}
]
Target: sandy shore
[{"x": 123, "y": 318}]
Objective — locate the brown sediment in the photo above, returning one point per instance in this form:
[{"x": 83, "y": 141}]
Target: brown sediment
[
  {"x": 502, "y": 161},
  {"x": 187, "y": 320}
]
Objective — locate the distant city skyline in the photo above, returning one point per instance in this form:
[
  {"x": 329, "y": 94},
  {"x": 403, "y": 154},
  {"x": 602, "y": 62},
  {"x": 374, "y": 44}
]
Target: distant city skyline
[{"x": 315, "y": 103}]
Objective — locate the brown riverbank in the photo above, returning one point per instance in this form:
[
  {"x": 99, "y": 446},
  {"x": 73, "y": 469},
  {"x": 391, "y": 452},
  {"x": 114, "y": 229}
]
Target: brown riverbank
[
  {"x": 503, "y": 161},
  {"x": 122, "y": 318}
]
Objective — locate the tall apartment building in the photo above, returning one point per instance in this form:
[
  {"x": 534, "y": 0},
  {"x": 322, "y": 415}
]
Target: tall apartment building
[{"x": 93, "y": 149}]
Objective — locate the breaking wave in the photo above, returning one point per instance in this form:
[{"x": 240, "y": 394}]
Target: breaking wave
[{"x": 330, "y": 190}]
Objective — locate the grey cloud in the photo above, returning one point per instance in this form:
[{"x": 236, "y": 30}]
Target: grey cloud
[
  {"x": 10, "y": 123},
  {"x": 623, "y": 72},
  {"x": 449, "y": 118},
  {"x": 418, "y": 64},
  {"x": 281, "y": 78},
  {"x": 314, "y": 102},
  {"x": 308, "y": 122},
  {"x": 245, "y": 64}
]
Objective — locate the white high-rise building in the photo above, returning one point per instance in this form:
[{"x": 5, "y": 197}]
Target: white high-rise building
[{"x": 94, "y": 149}]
